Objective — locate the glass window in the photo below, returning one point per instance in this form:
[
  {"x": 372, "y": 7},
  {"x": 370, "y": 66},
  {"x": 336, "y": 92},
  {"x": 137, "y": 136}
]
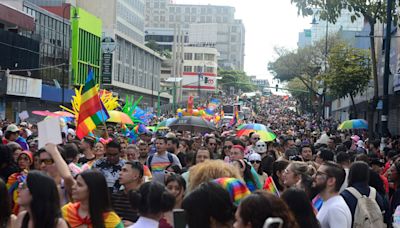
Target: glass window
[
  {"x": 209, "y": 57},
  {"x": 187, "y": 68},
  {"x": 188, "y": 56},
  {"x": 210, "y": 69},
  {"x": 194, "y": 10},
  {"x": 203, "y": 10},
  {"x": 208, "y": 19},
  {"x": 187, "y": 10}
]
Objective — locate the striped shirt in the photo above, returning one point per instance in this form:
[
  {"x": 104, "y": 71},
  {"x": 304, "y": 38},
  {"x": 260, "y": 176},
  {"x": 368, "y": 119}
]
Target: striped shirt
[{"x": 122, "y": 206}]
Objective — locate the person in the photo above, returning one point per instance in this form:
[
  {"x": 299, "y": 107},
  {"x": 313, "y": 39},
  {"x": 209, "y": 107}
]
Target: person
[
  {"x": 143, "y": 152},
  {"x": 173, "y": 147},
  {"x": 334, "y": 211},
  {"x": 158, "y": 162},
  {"x": 12, "y": 135},
  {"x": 278, "y": 168},
  {"x": 299, "y": 203},
  {"x": 227, "y": 146},
  {"x": 92, "y": 204},
  {"x": 209, "y": 206},
  {"x": 176, "y": 185},
  {"x": 237, "y": 153},
  {"x": 7, "y": 218},
  {"x": 255, "y": 161},
  {"x": 202, "y": 155},
  {"x": 8, "y": 165},
  {"x": 293, "y": 172},
  {"x": 324, "y": 155},
  {"x": 111, "y": 165},
  {"x": 132, "y": 152},
  {"x": 100, "y": 148},
  {"x": 124, "y": 145},
  {"x": 306, "y": 153},
  {"x": 70, "y": 154},
  {"x": 358, "y": 186},
  {"x": 343, "y": 159},
  {"x": 211, "y": 144},
  {"x": 151, "y": 200},
  {"x": 87, "y": 146},
  {"x": 39, "y": 195},
  {"x": 131, "y": 177},
  {"x": 256, "y": 208},
  {"x": 245, "y": 171}
]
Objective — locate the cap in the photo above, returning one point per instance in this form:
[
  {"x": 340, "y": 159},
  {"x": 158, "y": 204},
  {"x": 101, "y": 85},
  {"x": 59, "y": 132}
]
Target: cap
[
  {"x": 355, "y": 138},
  {"x": 12, "y": 128},
  {"x": 71, "y": 131},
  {"x": 27, "y": 153},
  {"x": 23, "y": 124},
  {"x": 254, "y": 157}
]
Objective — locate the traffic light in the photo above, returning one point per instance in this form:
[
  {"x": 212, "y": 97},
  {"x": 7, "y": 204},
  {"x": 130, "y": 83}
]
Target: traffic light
[
  {"x": 276, "y": 87},
  {"x": 205, "y": 80}
]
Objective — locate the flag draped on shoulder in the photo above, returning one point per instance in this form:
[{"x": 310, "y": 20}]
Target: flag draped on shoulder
[{"x": 92, "y": 111}]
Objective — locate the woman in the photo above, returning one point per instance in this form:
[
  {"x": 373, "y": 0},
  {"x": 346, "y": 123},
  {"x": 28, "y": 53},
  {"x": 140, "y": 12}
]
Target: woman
[
  {"x": 15, "y": 148},
  {"x": 176, "y": 185},
  {"x": 200, "y": 156},
  {"x": 39, "y": 195},
  {"x": 152, "y": 200},
  {"x": 255, "y": 161},
  {"x": 293, "y": 172},
  {"x": 100, "y": 148},
  {"x": 255, "y": 209},
  {"x": 6, "y": 217},
  {"x": 209, "y": 206},
  {"x": 278, "y": 168},
  {"x": 92, "y": 207},
  {"x": 132, "y": 152},
  {"x": 245, "y": 171},
  {"x": 299, "y": 204}
]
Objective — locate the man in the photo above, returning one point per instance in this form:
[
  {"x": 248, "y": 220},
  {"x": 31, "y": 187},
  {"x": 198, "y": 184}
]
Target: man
[
  {"x": 334, "y": 212},
  {"x": 146, "y": 137},
  {"x": 143, "y": 152},
  {"x": 173, "y": 147},
  {"x": 111, "y": 165},
  {"x": 131, "y": 177},
  {"x": 331, "y": 143},
  {"x": 87, "y": 147},
  {"x": 211, "y": 144},
  {"x": 343, "y": 159},
  {"x": 324, "y": 155},
  {"x": 12, "y": 135},
  {"x": 158, "y": 162},
  {"x": 288, "y": 143},
  {"x": 306, "y": 153},
  {"x": 358, "y": 183}
]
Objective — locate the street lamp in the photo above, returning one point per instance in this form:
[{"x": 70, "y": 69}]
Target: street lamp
[{"x": 66, "y": 66}]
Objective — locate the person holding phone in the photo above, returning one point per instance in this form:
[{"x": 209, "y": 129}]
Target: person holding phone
[{"x": 176, "y": 185}]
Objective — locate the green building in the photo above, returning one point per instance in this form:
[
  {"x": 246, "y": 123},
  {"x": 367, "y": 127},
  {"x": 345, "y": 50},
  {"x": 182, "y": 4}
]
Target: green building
[{"x": 86, "y": 45}]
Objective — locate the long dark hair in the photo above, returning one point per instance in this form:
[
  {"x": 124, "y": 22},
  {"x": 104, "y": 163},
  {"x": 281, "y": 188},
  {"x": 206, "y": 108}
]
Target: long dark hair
[
  {"x": 247, "y": 175},
  {"x": 5, "y": 209},
  {"x": 300, "y": 205},
  {"x": 99, "y": 198},
  {"x": 45, "y": 204}
]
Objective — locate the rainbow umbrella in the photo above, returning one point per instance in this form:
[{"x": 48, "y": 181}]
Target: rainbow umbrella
[
  {"x": 165, "y": 123},
  {"x": 265, "y": 135},
  {"x": 119, "y": 117},
  {"x": 254, "y": 126},
  {"x": 353, "y": 124}
]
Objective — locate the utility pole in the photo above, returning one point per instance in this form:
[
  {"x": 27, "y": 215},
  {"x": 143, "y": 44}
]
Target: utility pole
[{"x": 385, "y": 108}]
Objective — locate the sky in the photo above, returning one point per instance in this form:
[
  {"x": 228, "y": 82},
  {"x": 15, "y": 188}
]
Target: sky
[{"x": 268, "y": 23}]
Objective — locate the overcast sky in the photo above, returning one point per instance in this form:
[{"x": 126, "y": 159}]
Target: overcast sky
[{"x": 268, "y": 23}]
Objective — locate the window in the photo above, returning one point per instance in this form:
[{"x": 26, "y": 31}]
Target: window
[
  {"x": 210, "y": 69},
  {"x": 208, "y": 19},
  {"x": 218, "y": 19},
  {"x": 187, "y": 18},
  {"x": 188, "y": 56},
  {"x": 193, "y": 19},
  {"x": 198, "y": 69},
  {"x": 194, "y": 10},
  {"x": 187, "y": 10},
  {"x": 202, "y": 19},
  {"x": 203, "y": 10},
  {"x": 209, "y": 57},
  {"x": 224, "y": 19},
  {"x": 198, "y": 56},
  {"x": 171, "y": 17},
  {"x": 187, "y": 68},
  {"x": 209, "y": 10},
  {"x": 234, "y": 29},
  {"x": 233, "y": 38}
]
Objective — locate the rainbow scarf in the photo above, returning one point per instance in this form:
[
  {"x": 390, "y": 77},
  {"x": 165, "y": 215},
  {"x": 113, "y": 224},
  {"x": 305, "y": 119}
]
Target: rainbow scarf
[
  {"x": 71, "y": 215},
  {"x": 12, "y": 186},
  {"x": 270, "y": 186},
  {"x": 236, "y": 188}
]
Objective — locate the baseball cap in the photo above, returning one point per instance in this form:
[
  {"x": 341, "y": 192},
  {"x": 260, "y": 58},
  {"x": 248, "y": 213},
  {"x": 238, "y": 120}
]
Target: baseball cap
[
  {"x": 71, "y": 131},
  {"x": 12, "y": 128}
]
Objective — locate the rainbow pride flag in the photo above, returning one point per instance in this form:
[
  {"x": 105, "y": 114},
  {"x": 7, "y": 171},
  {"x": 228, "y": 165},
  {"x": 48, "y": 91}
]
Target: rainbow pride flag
[
  {"x": 236, "y": 188},
  {"x": 270, "y": 186},
  {"x": 92, "y": 111},
  {"x": 235, "y": 118}
]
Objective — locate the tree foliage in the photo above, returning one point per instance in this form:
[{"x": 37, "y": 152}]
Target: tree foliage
[
  {"x": 304, "y": 99},
  {"x": 349, "y": 71},
  {"x": 152, "y": 44},
  {"x": 237, "y": 79}
]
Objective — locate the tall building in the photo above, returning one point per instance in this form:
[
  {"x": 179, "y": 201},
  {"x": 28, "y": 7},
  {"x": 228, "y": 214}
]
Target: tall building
[
  {"x": 217, "y": 22},
  {"x": 304, "y": 38}
]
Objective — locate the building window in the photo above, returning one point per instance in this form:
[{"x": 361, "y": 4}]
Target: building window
[
  {"x": 209, "y": 57},
  {"x": 198, "y": 56},
  {"x": 194, "y": 10},
  {"x": 187, "y": 18},
  {"x": 188, "y": 56},
  {"x": 203, "y": 10},
  {"x": 198, "y": 68},
  {"x": 234, "y": 29},
  {"x": 202, "y": 19},
  {"x": 187, "y": 10},
  {"x": 171, "y": 18},
  {"x": 210, "y": 69},
  {"x": 187, "y": 68},
  {"x": 209, "y": 19},
  {"x": 224, "y": 19},
  {"x": 233, "y": 38},
  {"x": 193, "y": 19}
]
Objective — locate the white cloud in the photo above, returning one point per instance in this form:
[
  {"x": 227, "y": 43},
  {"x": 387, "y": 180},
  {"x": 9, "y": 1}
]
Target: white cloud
[{"x": 268, "y": 23}]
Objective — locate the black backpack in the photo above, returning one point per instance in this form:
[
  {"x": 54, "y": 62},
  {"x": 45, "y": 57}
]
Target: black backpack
[{"x": 170, "y": 158}]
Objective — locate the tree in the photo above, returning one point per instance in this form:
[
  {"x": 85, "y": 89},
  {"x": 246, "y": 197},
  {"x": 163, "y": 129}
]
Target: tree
[
  {"x": 373, "y": 12},
  {"x": 152, "y": 44},
  {"x": 296, "y": 88},
  {"x": 349, "y": 72},
  {"x": 237, "y": 79}
]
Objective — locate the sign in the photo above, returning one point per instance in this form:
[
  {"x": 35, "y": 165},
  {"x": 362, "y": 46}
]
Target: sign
[
  {"x": 106, "y": 68},
  {"x": 23, "y": 115},
  {"x": 379, "y": 106},
  {"x": 108, "y": 45},
  {"x": 49, "y": 132},
  {"x": 396, "y": 82}
]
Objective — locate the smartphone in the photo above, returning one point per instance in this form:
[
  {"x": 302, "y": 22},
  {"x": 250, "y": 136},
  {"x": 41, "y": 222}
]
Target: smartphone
[{"x": 179, "y": 216}]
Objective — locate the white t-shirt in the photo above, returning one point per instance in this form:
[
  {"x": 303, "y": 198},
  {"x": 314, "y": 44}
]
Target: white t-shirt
[{"x": 335, "y": 213}]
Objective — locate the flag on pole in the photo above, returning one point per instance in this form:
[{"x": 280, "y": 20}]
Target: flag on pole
[
  {"x": 92, "y": 111},
  {"x": 235, "y": 118},
  {"x": 270, "y": 186}
]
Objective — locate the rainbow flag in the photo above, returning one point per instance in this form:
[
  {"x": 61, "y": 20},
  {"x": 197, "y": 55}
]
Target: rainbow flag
[
  {"x": 235, "y": 118},
  {"x": 236, "y": 188},
  {"x": 270, "y": 186},
  {"x": 92, "y": 111}
]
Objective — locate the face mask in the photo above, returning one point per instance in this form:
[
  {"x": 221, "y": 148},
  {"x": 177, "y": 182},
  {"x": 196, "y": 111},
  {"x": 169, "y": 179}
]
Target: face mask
[{"x": 260, "y": 147}]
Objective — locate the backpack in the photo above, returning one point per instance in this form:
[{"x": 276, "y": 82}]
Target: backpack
[
  {"x": 367, "y": 213},
  {"x": 169, "y": 155}
]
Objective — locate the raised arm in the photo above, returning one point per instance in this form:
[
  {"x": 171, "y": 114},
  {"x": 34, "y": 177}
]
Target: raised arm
[{"x": 61, "y": 165}]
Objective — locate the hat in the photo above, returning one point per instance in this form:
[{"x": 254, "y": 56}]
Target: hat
[
  {"x": 355, "y": 138},
  {"x": 254, "y": 157},
  {"x": 71, "y": 131},
  {"x": 23, "y": 124},
  {"x": 236, "y": 188},
  {"x": 360, "y": 143},
  {"x": 12, "y": 128},
  {"x": 27, "y": 153}
]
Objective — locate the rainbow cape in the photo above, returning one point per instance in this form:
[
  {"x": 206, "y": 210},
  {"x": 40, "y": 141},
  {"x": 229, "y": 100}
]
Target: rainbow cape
[
  {"x": 236, "y": 188},
  {"x": 71, "y": 216},
  {"x": 270, "y": 186}
]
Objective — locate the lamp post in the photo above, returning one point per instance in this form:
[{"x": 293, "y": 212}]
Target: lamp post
[{"x": 385, "y": 108}]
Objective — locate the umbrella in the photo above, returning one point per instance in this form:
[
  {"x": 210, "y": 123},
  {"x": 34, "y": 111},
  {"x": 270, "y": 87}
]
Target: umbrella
[
  {"x": 353, "y": 124},
  {"x": 152, "y": 128},
  {"x": 53, "y": 114},
  {"x": 192, "y": 124},
  {"x": 165, "y": 123},
  {"x": 254, "y": 126},
  {"x": 119, "y": 117},
  {"x": 265, "y": 135}
]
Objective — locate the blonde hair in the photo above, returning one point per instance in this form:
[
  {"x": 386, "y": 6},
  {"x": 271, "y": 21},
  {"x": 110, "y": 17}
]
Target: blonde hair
[
  {"x": 302, "y": 168},
  {"x": 210, "y": 170}
]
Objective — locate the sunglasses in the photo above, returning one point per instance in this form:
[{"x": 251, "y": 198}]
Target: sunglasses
[
  {"x": 257, "y": 162},
  {"x": 227, "y": 147},
  {"x": 48, "y": 161},
  {"x": 256, "y": 138}
]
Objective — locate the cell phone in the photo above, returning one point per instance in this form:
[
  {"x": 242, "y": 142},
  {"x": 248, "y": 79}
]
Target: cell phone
[{"x": 179, "y": 218}]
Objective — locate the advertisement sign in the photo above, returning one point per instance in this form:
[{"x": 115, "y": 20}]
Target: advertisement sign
[
  {"x": 190, "y": 81},
  {"x": 106, "y": 68}
]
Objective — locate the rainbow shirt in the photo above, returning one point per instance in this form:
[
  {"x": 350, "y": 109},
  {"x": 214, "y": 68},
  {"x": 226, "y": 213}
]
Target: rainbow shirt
[{"x": 159, "y": 163}]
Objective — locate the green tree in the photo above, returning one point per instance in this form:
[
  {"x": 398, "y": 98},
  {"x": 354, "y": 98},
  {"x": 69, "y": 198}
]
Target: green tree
[
  {"x": 237, "y": 79},
  {"x": 152, "y": 44},
  {"x": 296, "y": 88},
  {"x": 372, "y": 11},
  {"x": 349, "y": 72}
]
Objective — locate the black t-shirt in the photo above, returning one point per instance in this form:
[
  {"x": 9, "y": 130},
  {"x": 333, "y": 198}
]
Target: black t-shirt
[{"x": 121, "y": 206}]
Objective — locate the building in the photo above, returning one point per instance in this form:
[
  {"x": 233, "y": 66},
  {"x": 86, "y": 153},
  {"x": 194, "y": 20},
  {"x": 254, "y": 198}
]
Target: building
[
  {"x": 304, "y": 38},
  {"x": 199, "y": 71},
  {"x": 215, "y": 21},
  {"x": 260, "y": 83}
]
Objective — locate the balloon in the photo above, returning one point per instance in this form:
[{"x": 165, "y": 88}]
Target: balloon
[
  {"x": 201, "y": 113},
  {"x": 179, "y": 114}
]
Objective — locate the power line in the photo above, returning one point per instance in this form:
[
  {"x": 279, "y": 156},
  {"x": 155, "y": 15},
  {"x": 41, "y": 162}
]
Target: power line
[{"x": 35, "y": 69}]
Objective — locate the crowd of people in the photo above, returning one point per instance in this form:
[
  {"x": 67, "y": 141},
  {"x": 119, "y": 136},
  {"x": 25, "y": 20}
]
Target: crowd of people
[{"x": 310, "y": 176}]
